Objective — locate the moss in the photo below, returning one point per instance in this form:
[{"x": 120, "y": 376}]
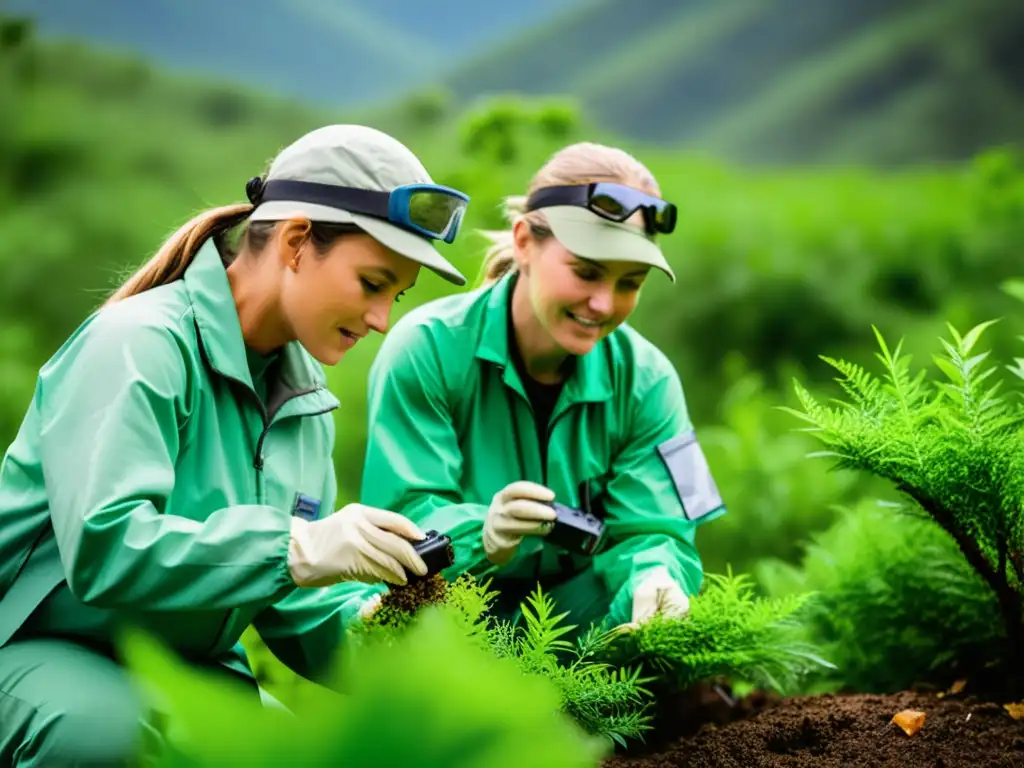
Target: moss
[{"x": 400, "y": 604}]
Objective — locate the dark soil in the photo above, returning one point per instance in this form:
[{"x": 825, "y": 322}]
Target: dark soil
[{"x": 828, "y": 731}]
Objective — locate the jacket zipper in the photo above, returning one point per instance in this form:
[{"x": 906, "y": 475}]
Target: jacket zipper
[
  {"x": 258, "y": 466},
  {"x": 257, "y": 461}
]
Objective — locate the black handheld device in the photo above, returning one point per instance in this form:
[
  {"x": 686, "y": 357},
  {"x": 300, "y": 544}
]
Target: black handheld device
[
  {"x": 436, "y": 551},
  {"x": 575, "y": 530}
]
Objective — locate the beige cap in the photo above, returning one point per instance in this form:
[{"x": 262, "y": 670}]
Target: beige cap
[
  {"x": 594, "y": 237},
  {"x": 361, "y": 157}
]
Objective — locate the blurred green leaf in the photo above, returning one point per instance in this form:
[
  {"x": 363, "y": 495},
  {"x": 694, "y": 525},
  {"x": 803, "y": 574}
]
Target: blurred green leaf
[{"x": 452, "y": 703}]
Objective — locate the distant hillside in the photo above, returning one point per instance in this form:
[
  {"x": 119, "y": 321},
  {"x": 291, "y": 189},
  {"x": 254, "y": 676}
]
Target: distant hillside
[
  {"x": 339, "y": 52},
  {"x": 780, "y": 80}
]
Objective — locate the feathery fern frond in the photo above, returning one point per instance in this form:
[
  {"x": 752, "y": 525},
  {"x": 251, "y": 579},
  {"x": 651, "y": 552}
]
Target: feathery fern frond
[
  {"x": 953, "y": 446},
  {"x": 605, "y": 700},
  {"x": 728, "y": 632}
]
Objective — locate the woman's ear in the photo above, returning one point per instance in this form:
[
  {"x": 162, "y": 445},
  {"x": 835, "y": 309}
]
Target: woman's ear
[
  {"x": 522, "y": 243},
  {"x": 292, "y": 234}
]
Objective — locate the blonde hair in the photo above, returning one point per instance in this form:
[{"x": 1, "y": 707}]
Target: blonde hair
[{"x": 581, "y": 163}]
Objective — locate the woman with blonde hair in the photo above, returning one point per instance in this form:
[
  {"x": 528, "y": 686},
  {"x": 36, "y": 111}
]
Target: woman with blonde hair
[
  {"x": 494, "y": 414},
  {"x": 174, "y": 470}
]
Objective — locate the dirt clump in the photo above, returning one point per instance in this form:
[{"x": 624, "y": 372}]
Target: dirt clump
[
  {"x": 853, "y": 730},
  {"x": 398, "y": 604}
]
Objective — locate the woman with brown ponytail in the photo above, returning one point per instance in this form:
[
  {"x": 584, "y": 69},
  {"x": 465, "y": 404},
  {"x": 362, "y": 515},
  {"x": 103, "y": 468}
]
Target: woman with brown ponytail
[{"x": 174, "y": 469}]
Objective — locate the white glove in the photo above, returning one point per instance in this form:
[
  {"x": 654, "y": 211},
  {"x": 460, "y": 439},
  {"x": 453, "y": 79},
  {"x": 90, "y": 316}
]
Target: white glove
[
  {"x": 356, "y": 543},
  {"x": 657, "y": 593},
  {"x": 516, "y": 511}
]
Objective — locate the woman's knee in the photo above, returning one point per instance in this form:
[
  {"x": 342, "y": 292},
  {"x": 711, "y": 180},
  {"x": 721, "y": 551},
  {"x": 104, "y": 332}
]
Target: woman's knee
[
  {"x": 66, "y": 705},
  {"x": 99, "y": 737}
]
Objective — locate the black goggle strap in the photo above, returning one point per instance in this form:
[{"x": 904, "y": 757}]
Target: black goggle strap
[
  {"x": 551, "y": 196},
  {"x": 364, "y": 201}
]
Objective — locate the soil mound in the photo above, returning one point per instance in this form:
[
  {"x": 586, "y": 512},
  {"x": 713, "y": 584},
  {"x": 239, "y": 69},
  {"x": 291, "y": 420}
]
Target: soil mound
[{"x": 829, "y": 731}]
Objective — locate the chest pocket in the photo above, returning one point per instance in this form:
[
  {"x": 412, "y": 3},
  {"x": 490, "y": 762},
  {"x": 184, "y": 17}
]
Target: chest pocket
[{"x": 296, "y": 464}]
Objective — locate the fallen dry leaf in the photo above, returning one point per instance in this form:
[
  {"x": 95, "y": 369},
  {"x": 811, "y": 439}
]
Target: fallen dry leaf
[
  {"x": 957, "y": 686},
  {"x": 910, "y": 720},
  {"x": 1016, "y": 710}
]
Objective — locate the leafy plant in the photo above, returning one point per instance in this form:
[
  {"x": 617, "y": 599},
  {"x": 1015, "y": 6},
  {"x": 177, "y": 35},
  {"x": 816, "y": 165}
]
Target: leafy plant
[
  {"x": 760, "y": 465},
  {"x": 953, "y": 446},
  {"x": 895, "y": 603},
  {"x": 431, "y": 697},
  {"x": 604, "y": 699},
  {"x": 729, "y": 632},
  {"x": 467, "y": 598}
]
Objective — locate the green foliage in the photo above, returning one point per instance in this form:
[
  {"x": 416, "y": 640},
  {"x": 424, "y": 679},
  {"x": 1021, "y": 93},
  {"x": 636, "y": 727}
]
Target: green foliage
[
  {"x": 558, "y": 121},
  {"x": 428, "y": 108},
  {"x": 731, "y": 632},
  {"x": 427, "y": 699},
  {"x": 497, "y": 129},
  {"x": 14, "y": 32},
  {"x": 774, "y": 495},
  {"x": 953, "y": 445},
  {"x": 467, "y": 598},
  {"x": 16, "y": 376},
  {"x": 605, "y": 701},
  {"x": 895, "y": 604}
]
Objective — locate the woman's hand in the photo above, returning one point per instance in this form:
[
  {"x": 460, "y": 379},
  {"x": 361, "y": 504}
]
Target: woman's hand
[
  {"x": 517, "y": 510},
  {"x": 658, "y": 593},
  {"x": 356, "y": 543}
]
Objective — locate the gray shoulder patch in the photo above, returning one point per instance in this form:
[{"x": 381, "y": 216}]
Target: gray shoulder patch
[{"x": 691, "y": 475}]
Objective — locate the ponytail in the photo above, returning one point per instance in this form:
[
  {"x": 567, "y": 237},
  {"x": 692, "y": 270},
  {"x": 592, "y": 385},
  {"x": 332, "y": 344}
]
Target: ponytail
[
  {"x": 499, "y": 260},
  {"x": 170, "y": 262}
]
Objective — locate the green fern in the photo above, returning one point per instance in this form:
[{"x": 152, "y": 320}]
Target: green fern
[
  {"x": 605, "y": 700},
  {"x": 895, "y": 602},
  {"x": 954, "y": 446},
  {"x": 728, "y": 632}
]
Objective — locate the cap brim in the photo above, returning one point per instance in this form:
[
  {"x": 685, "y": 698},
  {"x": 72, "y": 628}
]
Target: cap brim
[
  {"x": 408, "y": 244},
  {"x": 592, "y": 237}
]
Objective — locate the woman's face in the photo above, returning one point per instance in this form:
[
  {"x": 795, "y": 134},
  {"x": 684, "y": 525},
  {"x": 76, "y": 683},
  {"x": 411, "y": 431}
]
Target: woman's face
[
  {"x": 577, "y": 302},
  {"x": 329, "y": 301}
]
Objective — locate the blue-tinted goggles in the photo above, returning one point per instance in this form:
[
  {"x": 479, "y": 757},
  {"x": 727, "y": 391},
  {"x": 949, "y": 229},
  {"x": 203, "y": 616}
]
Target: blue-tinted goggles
[
  {"x": 430, "y": 210},
  {"x": 612, "y": 201}
]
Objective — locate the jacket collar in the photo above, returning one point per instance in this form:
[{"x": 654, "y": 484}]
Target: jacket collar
[
  {"x": 590, "y": 380},
  {"x": 220, "y": 332}
]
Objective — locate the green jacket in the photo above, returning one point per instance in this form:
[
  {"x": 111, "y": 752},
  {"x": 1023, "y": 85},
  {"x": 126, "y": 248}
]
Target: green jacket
[
  {"x": 450, "y": 425},
  {"x": 149, "y": 484}
]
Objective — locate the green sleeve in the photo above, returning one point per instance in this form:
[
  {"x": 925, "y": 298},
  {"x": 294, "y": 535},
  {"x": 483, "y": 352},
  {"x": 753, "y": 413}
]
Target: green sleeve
[
  {"x": 647, "y": 522},
  {"x": 305, "y": 630},
  {"x": 413, "y": 461},
  {"x": 112, "y": 406}
]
